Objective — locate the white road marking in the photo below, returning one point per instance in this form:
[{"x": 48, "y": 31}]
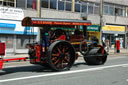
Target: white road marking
[
  {"x": 127, "y": 80},
  {"x": 116, "y": 57},
  {"x": 125, "y": 66},
  {"x": 61, "y": 73}
]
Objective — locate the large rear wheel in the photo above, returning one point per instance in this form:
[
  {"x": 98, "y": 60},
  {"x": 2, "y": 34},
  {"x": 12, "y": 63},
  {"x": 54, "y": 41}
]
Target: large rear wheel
[{"x": 61, "y": 55}]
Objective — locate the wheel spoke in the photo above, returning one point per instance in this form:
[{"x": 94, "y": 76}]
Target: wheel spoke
[
  {"x": 67, "y": 59},
  {"x": 56, "y": 61},
  {"x": 54, "y": 51},
  {"x": 66, "y": 49},
  {"x": 59, "y": 50},
  {"x": 55, "y": 54},
  {"x": 62, "y": 64},
  {"x": 54, "y": 58}
]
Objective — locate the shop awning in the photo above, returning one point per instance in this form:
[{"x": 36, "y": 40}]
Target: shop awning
[
  {"x": 34, "y": 21},
  {"x": 114, "y": 28}
]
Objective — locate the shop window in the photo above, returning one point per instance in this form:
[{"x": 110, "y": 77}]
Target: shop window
[
  {"x": 77, "y": 7},
  {"x": 1, "y": 2},
  {"x": 22, "y": 40},
  {"x": 44, "y": 3},
  {"x": 68, "y": 6},
  {"x": 31, "y": 4},
  {"x": 60, "y": 5},
  {"x": 84, "y": 8},
  {"x": 8, "y": 39},
  {"x": 53, "y": 4}
]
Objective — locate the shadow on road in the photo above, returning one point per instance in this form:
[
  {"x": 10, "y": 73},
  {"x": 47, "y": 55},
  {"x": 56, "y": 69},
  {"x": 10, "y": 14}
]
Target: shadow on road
[{"x": 34, "y": 68}]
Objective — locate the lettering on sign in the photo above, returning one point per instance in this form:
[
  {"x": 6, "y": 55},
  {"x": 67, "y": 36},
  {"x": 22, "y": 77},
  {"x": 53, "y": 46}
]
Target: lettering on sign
[{"x": 11, "y": 13}]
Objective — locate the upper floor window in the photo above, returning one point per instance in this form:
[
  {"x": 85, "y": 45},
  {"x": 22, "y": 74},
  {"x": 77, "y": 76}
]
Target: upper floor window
[
  {"x": 10, "y": 3},
  {"x": 114, "y": 10},
  {"x": 61, "y": 5},
  {"x": 119, "y": 11},
  {"x": 53, "y": 4},
  {"x": 68, "y": 6},
  {"x": 111, "y": 10},
  {"x": 96, "y": 9},
  {"x": 84, "y": 8},
  {"x": 45, "y": 3},
  {"x": 31, "y": 4},
  {"x": 90, "y": 8},
  {"x": 77, "y": 7},
  {"x": 127, "y": 11},
  {"x": 106, "y": 8}
]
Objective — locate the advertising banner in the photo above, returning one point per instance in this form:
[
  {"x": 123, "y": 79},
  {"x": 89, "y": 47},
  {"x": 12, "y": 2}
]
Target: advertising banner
[{"x": 11, "y": 13}]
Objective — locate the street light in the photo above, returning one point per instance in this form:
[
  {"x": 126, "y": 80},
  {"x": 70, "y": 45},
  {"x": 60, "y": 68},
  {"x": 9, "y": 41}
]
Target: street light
[
  {"x": 101, "y": 19},
  {"x": 38, "y": 15}
]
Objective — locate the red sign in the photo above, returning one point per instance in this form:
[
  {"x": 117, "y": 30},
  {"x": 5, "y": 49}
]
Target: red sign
[{"x": 59, "y": 23}]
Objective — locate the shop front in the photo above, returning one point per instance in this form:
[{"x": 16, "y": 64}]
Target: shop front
[
  {"x": 12, "y": 33},
  {"x": 93, "y": 31},
  {"x": 112, "y": 33}
]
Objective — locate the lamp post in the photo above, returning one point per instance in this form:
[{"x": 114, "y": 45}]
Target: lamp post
[
  {"x": 38, "y": 15},
  {"x": 101, "y": 20}
]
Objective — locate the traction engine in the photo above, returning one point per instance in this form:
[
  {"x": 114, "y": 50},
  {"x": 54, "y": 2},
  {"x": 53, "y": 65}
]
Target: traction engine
[{"x": 61, "y": 41}]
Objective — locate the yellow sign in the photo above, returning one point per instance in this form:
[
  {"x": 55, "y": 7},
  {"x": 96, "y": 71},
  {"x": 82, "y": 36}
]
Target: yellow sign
[
  {"x": 92, "y": 34},
  {"x": 114, "y": 28}
]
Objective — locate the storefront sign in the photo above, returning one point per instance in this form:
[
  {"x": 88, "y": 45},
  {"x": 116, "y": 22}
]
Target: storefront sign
[
  {"x": 7, "y": 25},
  {"x": 11, "y": 13},
  {"x": 93, "y": 28},
  {"x": 114, "y": 28}
]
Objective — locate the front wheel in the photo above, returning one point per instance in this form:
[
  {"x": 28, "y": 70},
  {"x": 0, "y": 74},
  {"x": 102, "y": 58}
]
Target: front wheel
[
  {"x": 61, "y": 55},
  {"x": 95, "y": 57}
]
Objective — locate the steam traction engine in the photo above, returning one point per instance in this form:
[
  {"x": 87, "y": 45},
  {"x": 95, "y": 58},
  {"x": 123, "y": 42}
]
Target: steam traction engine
[{"x": 60, "y": 42}]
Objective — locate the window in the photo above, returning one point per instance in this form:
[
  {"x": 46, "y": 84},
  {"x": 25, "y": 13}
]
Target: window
[
  {"x": 53, "y": 4},
  {"x": 10, "y": 3},
  {"x": 84, "y": 8},
  {"x": 60, "y": 5},
  {"x": 105, "y": 9},
  {"x": 68, "y": 6},
  {"x": 127, "y": 12},
  {"x": 45, "y": 3},
  {"x": 90, "y": 9},
  {"x": 122, "y": 12},
  {"x": 1, "y": 2},
  {"x": 31, "y": 4},
  {"x": 111, "y": 10},
  {"x": 77, "y": 7},
  {"x": 96, "y": 9}
]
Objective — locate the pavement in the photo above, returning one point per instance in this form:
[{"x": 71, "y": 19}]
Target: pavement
[{"x": 112, "y": 53}]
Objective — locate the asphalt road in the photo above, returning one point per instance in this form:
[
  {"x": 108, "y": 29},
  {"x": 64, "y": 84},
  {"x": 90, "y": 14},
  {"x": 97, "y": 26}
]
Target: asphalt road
[{"x": 113, "y": 72}]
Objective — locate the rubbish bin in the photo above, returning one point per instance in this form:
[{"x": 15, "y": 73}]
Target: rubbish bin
[{"x": 117, "y": 46}]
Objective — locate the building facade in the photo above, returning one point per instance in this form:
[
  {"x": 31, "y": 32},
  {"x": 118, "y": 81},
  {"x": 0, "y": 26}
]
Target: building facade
[{"x": 115, "y": 14}]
